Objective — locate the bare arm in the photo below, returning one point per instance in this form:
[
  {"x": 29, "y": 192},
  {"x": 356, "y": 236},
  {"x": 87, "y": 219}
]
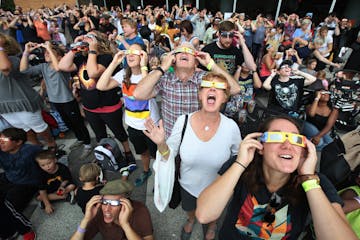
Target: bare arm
[
  {"x": 267, "y": 83},
  {"x": 248, "y": 58},
  {"x": 350, "y": 204},
  {"x": 106, "y": 82},
  {"x": 217, "y": 195},
  {"x": 309, "y": 79},
  {"x": 53, "y": 57},
  {"x": 66, "y": 63},
  {"x": 318, "y": 55},
  {"x": 257, "y": 80}
]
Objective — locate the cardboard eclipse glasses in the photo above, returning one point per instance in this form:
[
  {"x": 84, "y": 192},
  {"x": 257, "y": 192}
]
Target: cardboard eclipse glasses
[{"x": 281, "y": 137}]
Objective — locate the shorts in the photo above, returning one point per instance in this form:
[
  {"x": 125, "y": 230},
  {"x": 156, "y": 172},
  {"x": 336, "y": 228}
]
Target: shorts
[
  {"x": 188, "y": 201},
  {"x": 26, "y": 121},
  {"x": 141, "y": 142}
]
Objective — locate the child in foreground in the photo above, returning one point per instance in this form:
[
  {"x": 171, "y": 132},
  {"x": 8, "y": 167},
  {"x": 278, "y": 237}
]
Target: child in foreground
[
  {"x": 57, "y": 183},
  {"x": 89, "y": 175}
]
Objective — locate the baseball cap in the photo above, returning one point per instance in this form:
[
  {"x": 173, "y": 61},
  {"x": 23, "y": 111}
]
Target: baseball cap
[
  {"x": 117, "y": 187},
  {"x": 309, "y": 14}
]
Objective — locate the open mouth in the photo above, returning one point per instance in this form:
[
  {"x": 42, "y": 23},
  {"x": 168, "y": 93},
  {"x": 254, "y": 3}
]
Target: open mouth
[
  {"x": 211, "y": 99},
  {"x": 286, "y": 156}
]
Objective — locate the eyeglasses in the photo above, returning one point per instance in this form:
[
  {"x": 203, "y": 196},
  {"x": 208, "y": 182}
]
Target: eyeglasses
[
  {"x": 227, "y": 34},
  {"x": 5, "y": 139},
  {"x": 113, "y": 203},
  {"x": 281, "y": 137},
  {"x": 132, "y": 52},
  {"x": 210, "y": 84},
  {"x": 274, "y": 203},
  {"x": 284, "y": 66},
  {"x": 185, "y": 50}
]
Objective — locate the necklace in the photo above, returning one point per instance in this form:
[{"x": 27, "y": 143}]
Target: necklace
[{"x": 206, "y": 128}]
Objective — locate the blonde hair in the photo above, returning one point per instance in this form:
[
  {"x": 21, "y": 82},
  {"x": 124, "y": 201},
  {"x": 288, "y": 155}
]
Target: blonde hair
[
  {"x": 220, "y": 78},
  {"x": 11, "y": 46},
  {"x": 89, "y": 172}
]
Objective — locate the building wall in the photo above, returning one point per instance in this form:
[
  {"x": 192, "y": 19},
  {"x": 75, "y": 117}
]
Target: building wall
[{"x": 35, "y": 4}]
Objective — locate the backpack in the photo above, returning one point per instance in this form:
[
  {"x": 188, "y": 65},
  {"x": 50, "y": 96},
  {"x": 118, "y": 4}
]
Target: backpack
[{"x": 108, "y": 155}]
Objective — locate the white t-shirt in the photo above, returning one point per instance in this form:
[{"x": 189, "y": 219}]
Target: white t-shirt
[
  {"x": 324, "y": 46},
  {"x": 200, "y": 161},
  {"x": 136, "y": 111}
]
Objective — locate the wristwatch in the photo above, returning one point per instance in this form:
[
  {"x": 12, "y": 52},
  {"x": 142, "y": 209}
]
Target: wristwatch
[
  {"x": 160, "y": 69},
  {"x": 92, "y": 52}
]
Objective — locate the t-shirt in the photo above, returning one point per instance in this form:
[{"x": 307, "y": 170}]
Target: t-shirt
[
  {"x": 140, "y": 221},
  {"x": 57, "y": 82},
  {"x": 328, "y": 40},
  {"x": 286, "y": 96},
  {"x": 42, "y": 31},
  {"x": 83, "y": 196},
  {"x": 136, "y": 111},
  {"x": 246, "y": 94},
  {"x": 20, "y": 167},
  {"x": 244, "y": 217},
  {"x": 228, "y": 58},
  {"x": 51, "y": 181},
  {"x": 136, "y": 39},
  {"x": 90, "y": 96},
  {"x": 199, "y": 168}
]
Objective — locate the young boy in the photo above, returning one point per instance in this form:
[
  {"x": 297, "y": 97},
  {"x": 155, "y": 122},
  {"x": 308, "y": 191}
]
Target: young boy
[
  {"x": 89, "y": 175},
  {"x": 57, "y": 183}
]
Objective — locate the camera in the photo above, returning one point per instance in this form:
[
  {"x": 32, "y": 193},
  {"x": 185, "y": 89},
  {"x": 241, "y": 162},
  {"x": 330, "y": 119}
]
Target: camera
[{"x": 79, "y": 46}]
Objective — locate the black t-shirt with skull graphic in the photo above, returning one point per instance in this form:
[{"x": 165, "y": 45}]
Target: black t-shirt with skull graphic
[{"x": 286, "y": 96}]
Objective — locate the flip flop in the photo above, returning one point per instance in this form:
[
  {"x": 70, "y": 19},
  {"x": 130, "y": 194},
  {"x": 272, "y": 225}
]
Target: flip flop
[{"x": 186, "y": 235}]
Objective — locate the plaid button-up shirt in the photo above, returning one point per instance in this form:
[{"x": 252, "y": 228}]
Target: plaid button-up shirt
[{"x": 178, "y": 97}]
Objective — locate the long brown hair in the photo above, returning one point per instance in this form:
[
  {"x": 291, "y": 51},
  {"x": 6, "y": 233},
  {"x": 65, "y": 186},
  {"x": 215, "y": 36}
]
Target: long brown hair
[
  {"x": 253, "y": 177},
  {"x": 128, "y": 71}
]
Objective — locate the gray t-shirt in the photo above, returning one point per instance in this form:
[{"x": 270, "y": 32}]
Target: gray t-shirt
[
  {"x": 16, "y": 93},
  {"x": 57, "y": 82}
]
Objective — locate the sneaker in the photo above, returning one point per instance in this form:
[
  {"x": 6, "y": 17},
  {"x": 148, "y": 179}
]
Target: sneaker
[
  {"x": 130, "y": 162},
  {"x": 124, "y": 171},
  {"x": 29, "y": 236},
  {"x": 143, "y": 177},
  {"x": 71, "y": 198},
  {"x": 76, "y": 145}
]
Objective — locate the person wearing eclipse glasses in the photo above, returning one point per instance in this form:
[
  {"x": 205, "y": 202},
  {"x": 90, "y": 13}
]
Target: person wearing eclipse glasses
[
  {"x": 179, "y": 89},
  {"x": 114, "y": 215},
  {"x": 214, "y": 136},
  {"x": 286, "y": 85},
  {"x": 225, "y": 53},
  {"x": 273, "y": 188}
]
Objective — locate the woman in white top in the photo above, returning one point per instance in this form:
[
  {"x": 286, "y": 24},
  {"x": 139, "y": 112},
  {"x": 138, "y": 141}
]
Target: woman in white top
[
  {"x": 209, "y": 140},
  {"x": 324, "y": 45},
  {"x": 136, "y": 111}
]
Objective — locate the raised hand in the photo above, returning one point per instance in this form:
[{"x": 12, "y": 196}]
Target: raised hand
[
  {"x": 204, "y": 58},
  {"x": 143, "y": 58},
  {"x": 118, "y": 57},
  {"x": 92, "y": 207},
  {"x": 125, "y": 212},
  {"x": 167, "y": 61},
  {"x": 247, "y": 148},
  {"x": 307, "y": 164},
  {"x": 155, "y": 133}
]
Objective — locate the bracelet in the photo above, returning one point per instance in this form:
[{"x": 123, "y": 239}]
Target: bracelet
[
  {"x": 92, "y": 52},
  {"x": 310, "y": 184},
  {"x": 81, "y": 230},
  {"x": 210, "y": 64},
  {"x": 164, "y": 153},
  {"x": 357, "y": 198},
  {"x": 316, "y": 99},
  {"x": 145, "y": 68},
  {"x": 240, "y": 164},
  {"x": 161, "y": 70}
]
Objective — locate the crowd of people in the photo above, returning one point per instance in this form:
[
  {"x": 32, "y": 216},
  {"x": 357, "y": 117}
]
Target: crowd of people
[{"x": 98, "y": 66}]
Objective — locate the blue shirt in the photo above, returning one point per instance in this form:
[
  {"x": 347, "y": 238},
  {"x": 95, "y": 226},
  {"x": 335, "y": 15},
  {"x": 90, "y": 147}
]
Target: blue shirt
[
  {"x": 21, "y": 167},
  {"x": 131, "y": 41}
]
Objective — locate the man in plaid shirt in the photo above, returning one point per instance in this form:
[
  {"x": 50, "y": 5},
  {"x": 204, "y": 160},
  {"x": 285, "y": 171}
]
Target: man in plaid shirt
[{"x": 179, "y": 89}]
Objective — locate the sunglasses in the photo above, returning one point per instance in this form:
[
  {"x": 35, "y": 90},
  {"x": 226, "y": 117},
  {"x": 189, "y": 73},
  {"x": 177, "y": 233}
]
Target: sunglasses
[
  {"x": 269, "y": 216},
  {"x": 281, "y": 137},
  {"x": 324, "y": 92},
  {"x": 113, "y": 203},
  {"x": 284, "y": 66},
  {"x": 185, "y": 50},
  {"x": 227, "y": 34},
  {"x": 210, "y": 84},
  {"x": 132, "y": 52}
]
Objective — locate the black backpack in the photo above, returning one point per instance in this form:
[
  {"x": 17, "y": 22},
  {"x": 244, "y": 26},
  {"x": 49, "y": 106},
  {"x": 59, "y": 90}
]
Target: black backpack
[{"x": 108, "y": 155}]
